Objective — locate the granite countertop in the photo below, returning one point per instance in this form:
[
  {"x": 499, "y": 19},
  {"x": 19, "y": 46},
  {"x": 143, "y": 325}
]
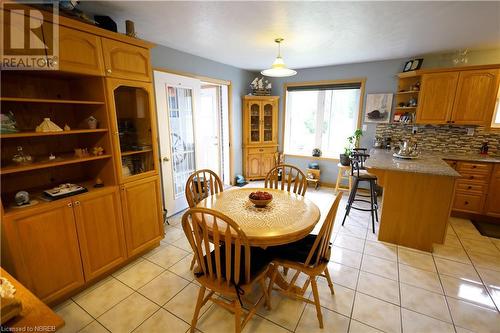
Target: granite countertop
[{"x": 432, "y": 164}]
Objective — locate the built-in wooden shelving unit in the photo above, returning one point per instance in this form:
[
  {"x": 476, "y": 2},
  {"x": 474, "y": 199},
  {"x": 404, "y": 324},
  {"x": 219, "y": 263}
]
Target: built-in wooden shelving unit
[{"x": 48, "y": 101}]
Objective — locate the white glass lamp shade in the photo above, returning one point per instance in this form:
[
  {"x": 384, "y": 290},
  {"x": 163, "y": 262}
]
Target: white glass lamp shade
[{"x": 278, "y": 69}]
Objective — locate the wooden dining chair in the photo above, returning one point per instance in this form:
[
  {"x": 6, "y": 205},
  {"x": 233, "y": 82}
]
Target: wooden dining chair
[
  {"x": 286, "y": 177},
  {"x": 310, "y": 256},
  {"x": 231, "y": 269},
  {"x": 200, "y": 185}
]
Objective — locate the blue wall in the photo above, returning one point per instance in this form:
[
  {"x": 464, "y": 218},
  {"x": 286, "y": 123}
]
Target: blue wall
[
  {"x": 172, "y": 59},
  {"x": 380, "y": 78}
]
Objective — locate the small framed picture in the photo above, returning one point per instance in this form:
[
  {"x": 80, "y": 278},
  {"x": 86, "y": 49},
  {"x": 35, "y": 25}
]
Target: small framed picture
[
  {"x": 408, "y": 66},
  {"x": 417, "y": 63}
]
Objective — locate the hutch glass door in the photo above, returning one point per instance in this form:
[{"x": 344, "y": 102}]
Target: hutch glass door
[
  {"x": 134, "y": 130},
  {"x": 267, "y": 122},
  {"x": 255, "y": 121}
]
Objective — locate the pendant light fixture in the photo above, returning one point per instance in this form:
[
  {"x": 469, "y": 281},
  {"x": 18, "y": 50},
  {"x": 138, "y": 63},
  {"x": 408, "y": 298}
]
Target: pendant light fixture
[{"x": 278, "y": 68}]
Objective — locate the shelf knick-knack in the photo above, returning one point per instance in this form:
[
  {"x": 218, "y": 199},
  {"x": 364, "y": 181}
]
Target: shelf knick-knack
[
  {"x": 48, "y": 126},
  {"x": 21, "y": 158},
  {"x": 67, "y": 128},
  {"x": 92, "y": 122}
]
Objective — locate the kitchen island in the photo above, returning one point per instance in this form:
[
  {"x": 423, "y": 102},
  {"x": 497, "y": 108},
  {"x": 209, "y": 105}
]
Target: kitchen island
[{"x": 417, "y": 198}]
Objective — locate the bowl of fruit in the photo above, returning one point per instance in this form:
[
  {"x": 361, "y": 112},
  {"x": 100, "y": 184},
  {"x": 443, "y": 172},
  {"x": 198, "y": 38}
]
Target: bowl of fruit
[{"x": 260, "y": 199}]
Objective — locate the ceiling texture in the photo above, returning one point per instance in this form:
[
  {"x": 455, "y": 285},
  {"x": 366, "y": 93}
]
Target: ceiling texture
[{"x": 316, "y": 34}]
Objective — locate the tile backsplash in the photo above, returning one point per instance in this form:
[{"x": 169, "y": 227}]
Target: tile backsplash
[{"x": 443, "y": 138}]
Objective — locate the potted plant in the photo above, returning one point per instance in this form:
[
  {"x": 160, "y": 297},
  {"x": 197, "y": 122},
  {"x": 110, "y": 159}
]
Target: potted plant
[{"x": 352, "y": 141}]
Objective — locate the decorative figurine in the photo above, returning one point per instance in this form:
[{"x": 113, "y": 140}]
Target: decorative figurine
[
  {"x": 21, "y": 158},
  {"x": 22, "y": 198},
  {"x": 412, "y": 102},
  {"x": 92, "y": 122},
  {"x": 67, "y": 128},
  {"x": 52, "y": 157},
  {"x": 48, "y": 126},
  {"x": 260, "y": 87},
  {"x": 316, "y": 152},
  {"x": 97, "y": 151},
  {"x": 98, "y": 183},
  {"x": 81, "y": 152},
  {"x": 130, "y": 28},
  {"x": 8, "y": 123}
]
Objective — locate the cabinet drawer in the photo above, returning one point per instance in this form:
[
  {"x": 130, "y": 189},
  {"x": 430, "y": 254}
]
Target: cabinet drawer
[
  {"x": 466, "y": 186},
  {"x": 483, "y": 178},
  {"x": 261, "y": 150},
  {"x": 468, "y": 203},
  {"x": 476, "y": 168}
]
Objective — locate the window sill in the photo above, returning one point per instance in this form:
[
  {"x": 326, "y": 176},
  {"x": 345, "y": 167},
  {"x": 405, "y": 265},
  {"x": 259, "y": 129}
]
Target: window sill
[{"x": 312, "y": 157}]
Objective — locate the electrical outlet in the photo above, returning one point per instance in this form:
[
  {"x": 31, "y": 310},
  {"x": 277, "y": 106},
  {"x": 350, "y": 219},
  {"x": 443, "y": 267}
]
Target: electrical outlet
[
  {"x": 414, "y": 130},
  {"x": 470, "y": 131}
]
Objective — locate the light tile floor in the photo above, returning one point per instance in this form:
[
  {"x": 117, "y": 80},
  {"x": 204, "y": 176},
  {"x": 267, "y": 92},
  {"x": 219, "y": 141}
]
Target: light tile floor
[{"x": 379, "y": 287}]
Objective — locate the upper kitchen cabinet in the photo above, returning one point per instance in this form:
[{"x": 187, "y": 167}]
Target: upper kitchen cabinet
[
  {"x": 436, "y": 97},
  {"x": 475, "y": 97},
  {"x": 80, "y": 52},
  {"x": 126, "y": 61},
  {"x": 461, "y": 97}
]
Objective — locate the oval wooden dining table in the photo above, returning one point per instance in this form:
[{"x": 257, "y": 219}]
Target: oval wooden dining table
[{"x": 288, "y": 218}]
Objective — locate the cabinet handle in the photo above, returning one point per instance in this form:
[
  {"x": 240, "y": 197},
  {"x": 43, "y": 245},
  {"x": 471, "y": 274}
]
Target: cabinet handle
[
  {"x": 77, "y": 203},
  {"x": 109, "y": 71},
  {"x": 469, "y": 187},
  {"x": 471, "y": 177},
  {"x": 70, "y": 204},
  {"x": 261, "y": 149},
  {"x": 466, "y": 202},
  {"x": 474, "y": 166}
]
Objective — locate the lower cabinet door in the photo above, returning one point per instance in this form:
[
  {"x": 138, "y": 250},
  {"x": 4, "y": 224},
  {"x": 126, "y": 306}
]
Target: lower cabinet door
[
  {"x": 142, "y": 215},
  {"x": 267, "y": 163},
  {"x": 253, "y": 165},
  {"x": 100, "y": 231},
  {"x": 493, "y": 197},
  {"x": 48, "y": 250}
]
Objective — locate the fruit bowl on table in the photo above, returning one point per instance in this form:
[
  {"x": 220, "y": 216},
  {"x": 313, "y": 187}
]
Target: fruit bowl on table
[{"x": 260, "y": 199}]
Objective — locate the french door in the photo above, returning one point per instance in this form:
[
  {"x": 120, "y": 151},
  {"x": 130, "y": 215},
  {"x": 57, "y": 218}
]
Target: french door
[{"x": 177, "y": 99}]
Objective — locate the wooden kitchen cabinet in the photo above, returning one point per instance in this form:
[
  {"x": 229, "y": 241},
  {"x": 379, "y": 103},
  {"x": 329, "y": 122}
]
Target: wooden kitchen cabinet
[
  {"x": 142, "y": 214},
  {"x": 475, "y": 97},
  {"x": 44, "y": 244},
  {"x": 492, "y": 206},
  {"x": 100, "y": 231},
  {"x": 260, "y": 131},
  {"x": 126, "y": 61},
  {"x": 436, "y": 97},
  {"x": 80, "y": 52}
]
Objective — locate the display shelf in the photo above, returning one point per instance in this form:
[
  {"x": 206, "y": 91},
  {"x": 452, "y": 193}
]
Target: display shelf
[
  {"x": 50, "y": 101},
  {"x": 134, "y": 152},
  {"x": 62, "y": 160},
  {"x": 71, "y": 132},
  {"x": 36, "y": 194},
  {"x": 410, "y": 92},
  {"x": 406, "y": 108}
]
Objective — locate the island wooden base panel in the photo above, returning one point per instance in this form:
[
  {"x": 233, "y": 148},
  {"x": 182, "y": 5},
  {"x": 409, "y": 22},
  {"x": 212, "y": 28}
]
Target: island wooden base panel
[{"x": 416, "y": 208}]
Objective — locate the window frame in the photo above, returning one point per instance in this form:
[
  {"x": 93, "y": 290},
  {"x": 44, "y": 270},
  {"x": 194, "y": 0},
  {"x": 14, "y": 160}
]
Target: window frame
[{"x": 361, "y": 81}]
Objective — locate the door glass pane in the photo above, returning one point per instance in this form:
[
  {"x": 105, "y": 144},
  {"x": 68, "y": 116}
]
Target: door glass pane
[
  {"x": 134, "y": 130},
  {"x": 254, "y": 122},
  {"x": 268, "y": 122},
  {"x": 180, "y": 108}
]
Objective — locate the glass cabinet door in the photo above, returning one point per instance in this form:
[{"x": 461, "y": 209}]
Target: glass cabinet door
[
  {"x": 255, "y": 135},
  {"x": 133, "y": 115},
  {"x": 267, "y": 128}
]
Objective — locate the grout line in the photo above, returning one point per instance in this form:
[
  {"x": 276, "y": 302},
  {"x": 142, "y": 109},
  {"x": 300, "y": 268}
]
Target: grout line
[{"x": 356, "y": 288}]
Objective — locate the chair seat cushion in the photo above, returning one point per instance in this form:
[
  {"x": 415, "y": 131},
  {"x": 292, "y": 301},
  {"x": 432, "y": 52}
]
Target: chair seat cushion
[
  {"x": 296, "y": 251},
  {"x": 259, "y": 260}
]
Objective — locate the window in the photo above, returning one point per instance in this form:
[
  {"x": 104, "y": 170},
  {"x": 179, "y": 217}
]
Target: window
[{"x": 320, "y": 116}]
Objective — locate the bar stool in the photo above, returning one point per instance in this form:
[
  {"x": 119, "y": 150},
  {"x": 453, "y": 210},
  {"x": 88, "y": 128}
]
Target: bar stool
[
  {"x": 344, "y": 172},
  {"x": 360, "y": 175}
]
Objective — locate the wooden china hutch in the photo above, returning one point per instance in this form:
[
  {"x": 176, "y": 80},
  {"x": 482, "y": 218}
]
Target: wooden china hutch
[
  {"x": 260, "y": 135},
  {"x": 56, "y": 248}
]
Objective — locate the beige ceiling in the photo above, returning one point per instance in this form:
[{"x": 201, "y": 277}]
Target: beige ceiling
[{"x": 316, "y": 33}]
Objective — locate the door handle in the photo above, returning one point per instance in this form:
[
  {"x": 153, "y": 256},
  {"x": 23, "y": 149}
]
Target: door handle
[{"x": 166, "y": 159}]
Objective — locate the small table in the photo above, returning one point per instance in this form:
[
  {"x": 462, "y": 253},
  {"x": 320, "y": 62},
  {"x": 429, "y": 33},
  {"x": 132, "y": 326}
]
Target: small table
[
  {"x": 34, "y": 314},
  {"x": 288, "y": 218},
  {"x": 344, "y": 172}
]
